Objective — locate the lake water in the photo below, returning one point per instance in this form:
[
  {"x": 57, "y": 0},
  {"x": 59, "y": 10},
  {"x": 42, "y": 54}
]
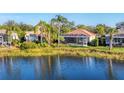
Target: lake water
[{"x": 60, "y": 68}]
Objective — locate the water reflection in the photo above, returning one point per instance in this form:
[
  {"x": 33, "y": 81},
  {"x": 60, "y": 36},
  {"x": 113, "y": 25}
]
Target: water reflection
[
  {"x": 60, "y": 67},
  {"x": 110, "y": 67}
]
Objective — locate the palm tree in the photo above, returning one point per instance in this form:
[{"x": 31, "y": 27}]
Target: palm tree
[
  {"x": 57, "y": 22},
  {"x": 111, "y": 31},
  {"x": 49, "y": 34},
  {"x": 60, "y": 22},
  {"x": 44, "y": 29},
  {"x": 41, "y": 26},
  {"x": 101, "y": 28}
]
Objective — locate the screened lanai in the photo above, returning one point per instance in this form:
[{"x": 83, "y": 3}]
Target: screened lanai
[{"x": 78, "y": 37}]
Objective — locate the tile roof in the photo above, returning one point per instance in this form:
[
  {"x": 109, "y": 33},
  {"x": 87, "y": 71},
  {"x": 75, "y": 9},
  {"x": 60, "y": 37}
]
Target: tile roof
[
  {"x": 3, "y": 31},
  {"x": 29, "y": 32},
  {"x": 120, "y": 34},
  {"x": 32, "y": 32},
  {"x": 79, "y": 32}
]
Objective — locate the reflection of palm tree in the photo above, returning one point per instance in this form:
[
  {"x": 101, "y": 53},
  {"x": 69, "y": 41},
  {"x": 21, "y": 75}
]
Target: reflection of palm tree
[
  {"x": 111, "y": 31},
  {"x": 111, "y": 76},
  {"x": 2, "y": 59},
  {"x": 43, "y": 64},
  {"x": 37, "y": 69},
  {"x": 49, "y": 66},
  {"x": 58, "y": 68},
  {"x": 10, "y": 68}
]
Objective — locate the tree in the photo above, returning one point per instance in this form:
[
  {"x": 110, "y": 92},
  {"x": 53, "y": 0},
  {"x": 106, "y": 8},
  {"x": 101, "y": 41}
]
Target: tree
[
  {"x": 101, "y": 29},
  {"x": 40, "y": 27},
  {"x": 11, "y": 26},
  {"x": 44, "y": 29},
  {"x": 25, "y": 27},
  {"x": 111, "y": 31},
  {"x": 89, "y": 28},
  {"x": 62, "y": 24},
  {"x": 49, "y": 34}
]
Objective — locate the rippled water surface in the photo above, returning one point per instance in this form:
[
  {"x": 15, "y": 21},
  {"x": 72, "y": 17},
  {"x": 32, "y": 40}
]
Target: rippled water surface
[{"x": 60, "y": 68}]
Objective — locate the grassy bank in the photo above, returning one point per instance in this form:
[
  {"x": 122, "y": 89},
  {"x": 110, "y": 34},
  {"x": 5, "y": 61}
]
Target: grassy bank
[{"x": 101, "y": 52}]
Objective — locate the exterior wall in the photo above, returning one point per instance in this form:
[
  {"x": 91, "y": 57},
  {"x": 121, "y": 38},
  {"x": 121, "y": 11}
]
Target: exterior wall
[
  {"x": 4, "y": 40},
  {"x": 117, "y": 41},
  {"x": 107, "y": 40},
  {"x": 91, "y": 38},
  {"x": 14, "y": 36},
  {"x": 31, "y": 37},
  {"x": 1, "y": 40}
]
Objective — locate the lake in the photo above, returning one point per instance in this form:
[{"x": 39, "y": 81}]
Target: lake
[{"x": 60, "y": 68}]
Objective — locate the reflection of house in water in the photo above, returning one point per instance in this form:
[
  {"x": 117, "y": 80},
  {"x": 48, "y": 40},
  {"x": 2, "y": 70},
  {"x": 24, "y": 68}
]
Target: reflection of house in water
[
  {"x": 8, "y": 67},
  {"x": 90, "y": 64},
  {"x": 13, "y": 72},
  {"x": 2, "y": 65},
  {"x": 46, "y": 67},
  {"x": 43, "y": 68},
  {"x": 54, "y": 67},
  {"x": 37, "y": 69},
  {"x": 50, "y": 67}
]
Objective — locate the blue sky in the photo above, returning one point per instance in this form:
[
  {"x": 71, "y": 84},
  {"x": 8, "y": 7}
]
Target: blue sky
[{"x": 79, "y": 18}]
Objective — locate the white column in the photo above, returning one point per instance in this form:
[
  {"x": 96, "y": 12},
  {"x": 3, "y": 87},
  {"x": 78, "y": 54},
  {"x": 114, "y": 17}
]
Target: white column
[
  {"x": 2, "y": 39},
  {"x": 85, "y": 40}
]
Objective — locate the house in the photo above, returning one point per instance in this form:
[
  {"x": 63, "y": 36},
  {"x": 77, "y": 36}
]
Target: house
[
  {"x": 79, "y": 37},
  {"x": 3, "y": 37},
  {"x": 14, "y": 36},
  {"x": 118, "y": 39},
  {"x": 7, "y": 39},
  {"x": 32, "y": 36}
]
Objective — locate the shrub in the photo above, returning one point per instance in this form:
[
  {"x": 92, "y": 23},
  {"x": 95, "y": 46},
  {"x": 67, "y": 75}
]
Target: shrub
[
  {"x": 94, "y": 42},
  {"x": 28, "y": 45},
  {"x": 54, "y": 44},
  {"x": 15, "y": 43},
  {"x": 63, "y": 45},
  {"x": 44, "y": 44},
  {"x": 60, "y": 45}
]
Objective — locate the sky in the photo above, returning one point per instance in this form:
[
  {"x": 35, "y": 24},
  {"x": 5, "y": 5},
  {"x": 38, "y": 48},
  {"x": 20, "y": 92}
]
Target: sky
[{"x": 90, "y": 19}]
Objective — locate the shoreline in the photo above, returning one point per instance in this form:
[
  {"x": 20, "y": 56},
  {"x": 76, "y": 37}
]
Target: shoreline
[{"x": 98, "y": 52}]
